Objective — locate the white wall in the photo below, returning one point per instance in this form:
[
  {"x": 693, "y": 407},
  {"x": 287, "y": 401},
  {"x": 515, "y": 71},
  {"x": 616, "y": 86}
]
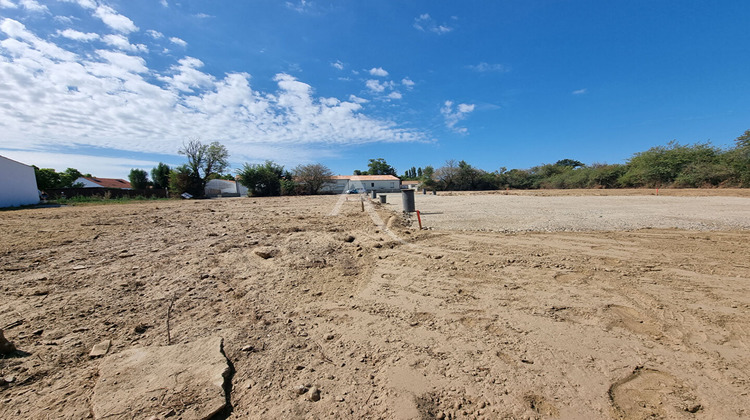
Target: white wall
[
  {"x": 17, "y": 184},
  {"x": 227, "y": 187}
]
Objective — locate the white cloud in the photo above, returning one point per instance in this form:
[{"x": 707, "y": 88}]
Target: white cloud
[
  {"x": 357, "y": 100},
  {"x": 426, "y": 23},
  {"x": 485, "y": 67},
  {"x": 178, "y": 41},
  {"x": 78, "y": 36},
  {"x": 86, "y": 4},
  {"x": 407, "y": 82},
  {"x": 122, "y": 43},
  {"x": 378, "y": 72},
  {"x": 106, "y": 97},
  {"x": 338, "y": 64},
  {"x": 123, "y": 61},
  {"x": 7, "y": 4},
  {"x": 375, "y": 86},
  {"x": 453, "y": 117},
  {"x": 164, "y": 3},
  {"x": 580, "y": 91},
  {"x": 301, "y": 6},
  {"x": 33, "y": 6},
  {"x": 395, "y": 95},
  {"x": 115, "y": 20},
  {"x": 154, "y": 34},
  {"x": 202, "y": 16}
]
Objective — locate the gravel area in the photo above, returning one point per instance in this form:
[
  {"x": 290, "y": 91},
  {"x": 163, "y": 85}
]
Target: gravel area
[{"x": 512, "y": 213}]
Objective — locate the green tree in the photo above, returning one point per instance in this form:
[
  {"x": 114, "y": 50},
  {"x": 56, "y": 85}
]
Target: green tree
[
  {"x": 380, "y": 167},
  {"x": 312, "y": 177},
  {"x": 160, "y": 175},
  {"x": 138, "y": 179},
  {"x": 47, "y": 178},
  {"x": 570, "y": 162},
  {"x": 662, "y": 165},
  {"x": 262, "y": 180},
  {"x": 204, "y": 160},
  {"x": 427, "y": 177},
  {"x": 182, "y": 180},
  {"x": 738, "y": 160},
  {"x": 69, "y": 176}
]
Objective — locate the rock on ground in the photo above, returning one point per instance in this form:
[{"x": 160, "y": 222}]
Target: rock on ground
[{"x": 184, "y": 379}]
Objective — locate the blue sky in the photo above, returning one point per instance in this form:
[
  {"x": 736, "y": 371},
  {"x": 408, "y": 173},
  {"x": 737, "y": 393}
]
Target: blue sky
[{"x": 109, "y": 85}]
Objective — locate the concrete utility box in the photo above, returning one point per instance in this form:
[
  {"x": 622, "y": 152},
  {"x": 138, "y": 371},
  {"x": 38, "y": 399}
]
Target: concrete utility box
[
  {"x": 407, "y": 200},
  {"x": 382, "y": 199}
]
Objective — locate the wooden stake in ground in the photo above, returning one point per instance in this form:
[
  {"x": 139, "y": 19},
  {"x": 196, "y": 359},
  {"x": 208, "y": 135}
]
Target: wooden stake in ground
[{"x": 169, "y": 315}]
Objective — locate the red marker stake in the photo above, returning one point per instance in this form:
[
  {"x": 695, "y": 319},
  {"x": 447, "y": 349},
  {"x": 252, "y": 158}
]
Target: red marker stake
[{"x": 419, "y": 218}]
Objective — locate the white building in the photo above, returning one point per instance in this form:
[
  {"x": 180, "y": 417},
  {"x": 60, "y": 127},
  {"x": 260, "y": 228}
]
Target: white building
[
  {"x": 362, "y": 183},
  {"x": 225, "y": 188},
  {"x": 17, "y": 184}
]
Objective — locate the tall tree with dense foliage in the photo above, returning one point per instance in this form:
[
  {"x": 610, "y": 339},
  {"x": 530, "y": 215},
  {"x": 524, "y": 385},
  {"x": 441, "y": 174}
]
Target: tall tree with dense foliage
[
  {"x": 262, "y": 180},
  {"x": 46, "y": 178},
  {"x": 312, "y": 177},
  {"x": 160, "y": 175},
  {"x": 204, "y": 160},
  {"x": 138, "y": 179},
  {"x": 379, "y": 167}
]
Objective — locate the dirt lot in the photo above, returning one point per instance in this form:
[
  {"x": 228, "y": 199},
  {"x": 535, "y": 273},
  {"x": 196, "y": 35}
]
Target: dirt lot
[{"x": 386, "y": 320}]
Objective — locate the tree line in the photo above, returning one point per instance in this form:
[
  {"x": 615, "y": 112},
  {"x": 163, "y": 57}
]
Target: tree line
[{"x": 674, "y": 165}]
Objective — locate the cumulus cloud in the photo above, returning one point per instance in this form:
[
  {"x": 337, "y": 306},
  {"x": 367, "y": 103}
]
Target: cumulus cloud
[
  {"x": 407, "y": 82},
  {"x": 8, "y": 4},
  {"x": 154, "y": 34},
  {"x": 580, "y": 91},
  {"x": 486, "y": 67},
  {"x": 379, "y": 72},
  {"x": 122, "y": 43},
  {"x": 357, "y": 99},
  {"x": 114, "y": 20},
  {"x": 394, "y": 95},
  {"x": 375, "y": 85},
  {"x": 453, "y": 115},
  {"x": 426, "y": 23},
  {"x": 106, "y": 97},
  {"x": 78, "y": 36},
  {"x": 33, "y": 6},
  {"x": 338, "y": 65},
  {"x": 164, "y": 3},
  {"x": 178, "y": 41}
]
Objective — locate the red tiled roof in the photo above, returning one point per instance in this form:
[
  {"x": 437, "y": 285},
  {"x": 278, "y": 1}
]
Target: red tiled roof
[{"x": 110, "y": 182}]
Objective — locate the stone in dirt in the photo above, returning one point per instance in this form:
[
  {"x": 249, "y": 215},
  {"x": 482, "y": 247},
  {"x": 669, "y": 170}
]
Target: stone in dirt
[
  {"x": 144, "y": 382},
  {"x": 100, "y": 349},
  {"x": 6, "y": 347},
  {"x": 266, "y": 252}
]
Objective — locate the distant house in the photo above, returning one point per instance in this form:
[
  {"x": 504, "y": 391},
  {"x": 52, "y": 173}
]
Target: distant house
[
  {"x": 410, "y": 185},
  {"x": 17, "y": 184},
  {"x": 378, "y": 183},
  {"x": 225, "y": 188},
  {"x": 93, "y": 182}
]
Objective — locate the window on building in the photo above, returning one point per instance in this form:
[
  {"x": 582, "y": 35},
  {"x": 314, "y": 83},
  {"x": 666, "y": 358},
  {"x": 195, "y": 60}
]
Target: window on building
[{"x": 372, "y": 184}]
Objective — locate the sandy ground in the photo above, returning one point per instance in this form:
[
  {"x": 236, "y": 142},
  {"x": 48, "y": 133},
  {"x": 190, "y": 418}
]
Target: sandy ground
[
  {"x": 546, "y": 213},
  {"x": 386, "y": 320}
]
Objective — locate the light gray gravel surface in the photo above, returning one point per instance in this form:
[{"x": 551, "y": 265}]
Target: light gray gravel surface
[{"x": 511, "y": 213}]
